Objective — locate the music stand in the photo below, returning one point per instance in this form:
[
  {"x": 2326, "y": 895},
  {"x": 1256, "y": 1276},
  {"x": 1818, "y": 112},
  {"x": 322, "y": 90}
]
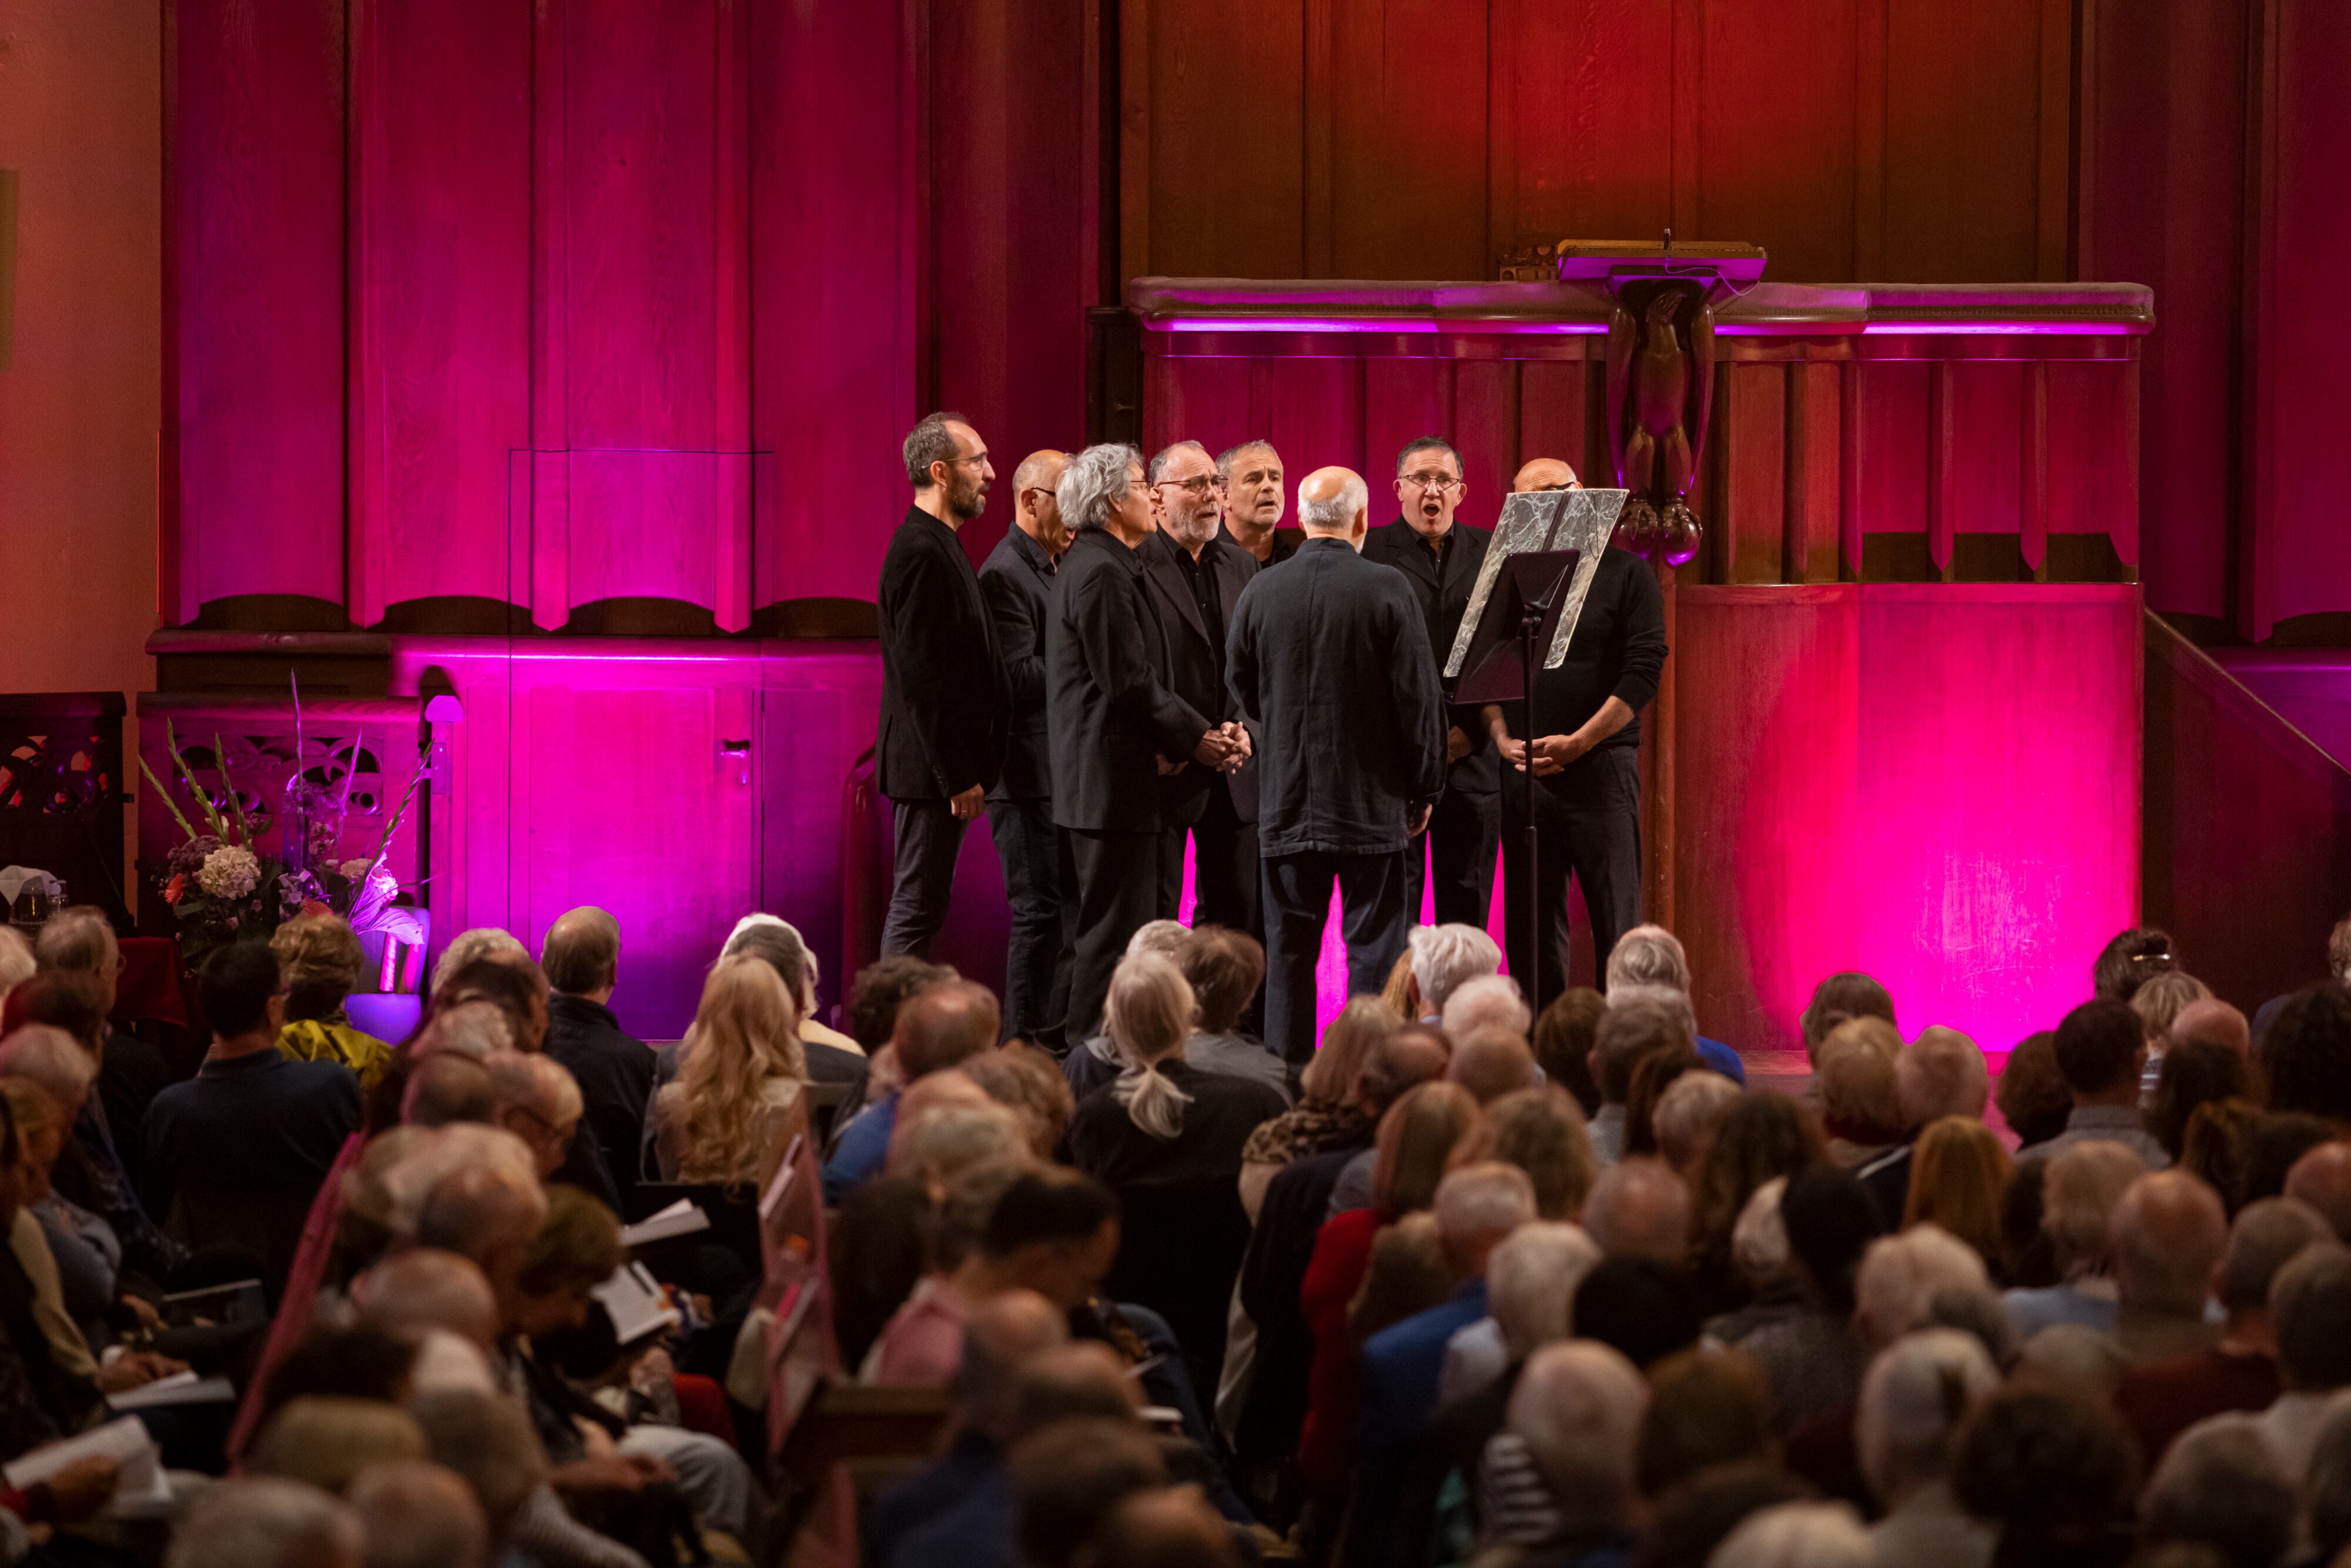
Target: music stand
[{"x": 1522, "y": 615}]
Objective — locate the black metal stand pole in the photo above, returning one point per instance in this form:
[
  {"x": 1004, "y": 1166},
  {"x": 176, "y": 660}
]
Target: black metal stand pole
[{"x": 1528, "y": 626}]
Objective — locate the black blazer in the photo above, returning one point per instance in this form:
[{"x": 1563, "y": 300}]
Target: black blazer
[
  {"x": 1195, "y": 665},
  {"x": 1111, "y": 715},
  {"x": 1444, "y": 597},
  {"x": 944, "y": 705},
  {"x": 1329, "y": 654},
  {"x": 1016, "y": 580}
]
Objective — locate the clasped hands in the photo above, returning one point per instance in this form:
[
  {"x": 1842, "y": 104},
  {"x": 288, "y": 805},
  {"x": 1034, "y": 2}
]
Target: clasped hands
[
  {"x": 1224, "y": 749},
  {"x": 1553, "y": 752}
]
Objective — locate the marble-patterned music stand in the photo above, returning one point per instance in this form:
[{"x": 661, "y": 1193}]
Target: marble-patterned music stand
[{"x": 1579, "y": 520}]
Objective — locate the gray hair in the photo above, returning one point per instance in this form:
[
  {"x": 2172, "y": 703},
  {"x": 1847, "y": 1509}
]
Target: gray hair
[
  {"x": 1231, "y": 454},
  {"x": 1167, "y": 455},
  {"x": 1900, "y": 1274},
  {"x": 480, "y": 941},
  {"x": 1164, "y": 937},
  {"x": 1337, "y": 511},
  {"x": 418, "y": 1514},
  {"x": 930, "y": 441},
  {"x": 1647, "y": 956},
  {"x": 1692, "y": 1106},
  {"x": 1445, "y": 957},
  {"x": 2310, "y": 1300},
  {"x": 1639, "y": 1208},
  {"x": 51, "y": 1061},
  {"x": 2223, "y": 1486},
  {"x": 1427, "y": 443},
  {"x": 790, "y": 934},
  {"x": 470, "y": 1028},
  {"x": 1916, "y": 1395},
  {"x": 78, "y": 937},
  {"x": 1531, "y": 1280},
  {"x": 1798, "y": 1535},
  {"x": 1578, "y": 1409},
  {"x": 264, "y": 1521},
  {"x": 1674, "y": 999},
  {"x": 1094, "y": 478},
  {"x": 539, "y": 1085},
  {"x": 1481, "y": 1200},
  {"x": 2269, "y": 1233},
  {"x": 1489, "y": 1001},
  {"x": 1940, "y": 1073}
]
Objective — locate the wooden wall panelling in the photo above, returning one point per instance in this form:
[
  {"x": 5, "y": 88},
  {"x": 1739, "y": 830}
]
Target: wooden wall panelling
[
  {"x": 2093, "y": 479},
  {"x": 1580, "y": 146},
  {"x": 1816, "y": 440},
  {"x": 440, "y": 300},
  {"x": 1987, "y": 410},
  {"x": 1749, "y": 452},
  {"x": 1404, "y": 397},
  {"x": 1776, "y": 118},
  {"x": 1552, "y": 418},
  {"x": 1964, "y": 140},
  {"x": 1223, "y": 120},
  {"x": 1890, "y": 421},
  {"x": 543, "y": 533},
  {"x": 256, "y": 225},
  {"x": 1407, "y": 108},
  {"x": 2033, "y": 472},
  {"x": 1200, "y": 397},
  {"x": 1486, "y": 429},
  {"x": 1942, "y": 464},
  {"x": 1317, "y": 416},
  {"x": 817, "y": 708}
]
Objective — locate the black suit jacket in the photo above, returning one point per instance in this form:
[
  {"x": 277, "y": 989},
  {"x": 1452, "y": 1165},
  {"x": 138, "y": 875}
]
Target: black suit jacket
[
  {"x": 1111, "y": 715},
  {"x": 1443, "y": 593},
  {"x": 615, "y": 1070},
  {"x": 945, "y": 706},
  {"x": 1329, "y": 656},
  {"x": 1017, "y": 581},
  {"x": 1195, "y": 665}
]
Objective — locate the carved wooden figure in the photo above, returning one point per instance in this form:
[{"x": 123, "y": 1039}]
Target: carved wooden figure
[{"x": 1660, "y": 388}]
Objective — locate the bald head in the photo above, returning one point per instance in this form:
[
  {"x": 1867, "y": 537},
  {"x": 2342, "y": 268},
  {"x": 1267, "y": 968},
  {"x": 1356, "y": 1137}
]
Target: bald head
[
  {"x": 2214, "y": 1022},
  {"x": 1334, "y": 504},
  {"x": 581, "y": 955},
  {"x": 2322, "y": 1178},
  {"x": 1544, "y": 473},
  {"x": 1000, "y": 1335},
  {"x": 941, "y": 1027},
  {"x": 1639, "y": 1208},
  {"x": 425, "y": 1288},
  {"x": 447, "y": 1087},
  {"x": 485, "y": 1214},
  {"x": 1071, "y": 1381},
  {"x": 2169, "y": 1233},
  {"x": 1035, "y": 510},
  {"x": 1406, "y": 1057}
]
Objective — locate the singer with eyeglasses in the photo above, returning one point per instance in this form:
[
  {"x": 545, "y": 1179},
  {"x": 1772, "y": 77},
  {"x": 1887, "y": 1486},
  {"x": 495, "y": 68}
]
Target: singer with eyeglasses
[{"x": 1440, "y": 557}]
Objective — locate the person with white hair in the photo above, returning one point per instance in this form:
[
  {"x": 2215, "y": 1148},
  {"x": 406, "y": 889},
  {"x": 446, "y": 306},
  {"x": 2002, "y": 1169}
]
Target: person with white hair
[
  {"x": 467, "y": 947},
  {"x": 265, "y": 1521},
  {"x": 1531, "y": 1280},
  {"x": 1940, "y": 1073},
  {"x": 1687, "y": 1112},
  {"x": 1914, "y": 1399},
  {"x": 1798, "y": 1535},
  {"x": 471, "y": 1029},
  {"x": 1116, "y": 725},
  {"x": 538, "y": 1101},
  {"x": 1444, "y": 959},
  {"x": 1650, "y": 959},
  {"x": 2221, "y": 1487},
  {"x": 1490, "y": 1002},
  {"x": 1328, "y": 654},
  {"x": 1558, "y": 1478},
  {"x": 1899, "y": 1276}
]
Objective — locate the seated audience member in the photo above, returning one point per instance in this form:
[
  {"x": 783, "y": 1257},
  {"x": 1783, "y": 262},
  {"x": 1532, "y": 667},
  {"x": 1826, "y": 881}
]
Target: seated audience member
[
  {"x": 487, "y": 1440},
  {"x": 1558, "y": 1480},
  {"x": 941, "y": 1141},
  {"x": 737, "y": 1097},
  {"x": 1413, "y": 1046},
  {"x": 1773, "y": 1287},
  {"x": 467, "y": 947},
  {"x": 71, "y": 1255},
  {"x": 1330, "y": 1113},
  {"x": 1902, "y": 1277},
  {"x": 2100, "y": 1050},
  {"x": 2327, "y": 1488},
  {"x": 1562, "y": 1039},
  {"x": 1225, "y": 969},
  {"x": 1955, "y": 1175},
  {"x": 1540, "y": 1132},
  {"x": 1639, "y": 1208},
  {"x": 1163, "y": 1120},
  {"x": 1068, "y": 1479},
  {"x": 2080, "y": 1189},
  {"x": 319, "y": 957},
  {"x": 1490, "y": 1062},
  {"x": 1637, "y": 1306},
  {"x": 2212, "y": 1022},
  {"x": 2307, "y": 1054},
  {"x": 832, "y": 1057},
  {"x": 326, "y": 1440},
  {"x": 1814, "y": 1356},
  {"x": 877, "y": 1252},
  {"x": 2051, "y": 1473},
  {"x": 445, "y": 1087},
  {"x": 2032, "y": 1097},
  {"x": 2310, "y": 1301},
  {"x": 17, "y": 964},
  {"x": 1490, "y": 1001},
  {"x": 1164, "y": 1527},
  {"x": 1817, "y": 1534},
  {"x": 267, "y": 1522},
  {"x": 2128, "y": 961},
  {"x": 1690, "y": 1520},
  {"x": 1706, "y": 1408},
  {"x": 416, "y": 1514},
  {"x": 1941, "y": 1073},
  {"x": 2219, "y": 1488},
  {"x": 2219, "y": 1137},
  {"x": 2158, "y": 1003},
  {"x": 2160, "y": 1400},
  {"x": 504, "y": 975},
  {"x": 1914, "y": 1399},
  {"x": 1027, "y": 1082},
  {"x": 1840, "y": 997},
  {"x": 2169, "y": 1233},
  {"x": 2322, "y": 1178},
  {"x": 1440, "y": 960},
  {"x": 1688, "y": 1114},
  {"x": 79, "y": 940},
  {"x": 2272, "y": 1146},
  {"x": 539, "y": 1102},
  {"x": 2195, "y": 1073},
  {"x": 1856, "y": 1084},
  {"x": 1653, "y": 1076},
  {"x": 438, "y": 1302},
  {"x": 251, "y": 1126},
  {"x": 963, "y": 1497},
  {"x": 937, "y": 1027},
  {"x": 1405, "y": 1276},
  {"x": 613, "y": 1070},
  {"x": 1095, "y": 1062},
  {"x": 1650, "y": 957},
  {"x": 1630, "y": 1031},
  {"x": 1762, "y": 1136}
]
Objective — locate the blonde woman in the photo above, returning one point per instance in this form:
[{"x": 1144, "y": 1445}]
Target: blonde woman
[
  {"x": 319, "y": 959},
  {"x": 1162, "y": 1120},
  {"x": 736, "y": 1100}
]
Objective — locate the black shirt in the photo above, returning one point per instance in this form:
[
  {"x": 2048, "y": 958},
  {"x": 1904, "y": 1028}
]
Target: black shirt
[
  {"x": 255, "y": 1124},
  {"x": 615, "y": 1070},
  {"x": 1618, "y": 649},
  {"x": 1200, "y": 576}
]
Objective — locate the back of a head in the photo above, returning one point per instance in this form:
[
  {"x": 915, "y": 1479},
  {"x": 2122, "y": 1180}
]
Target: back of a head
[
  {"x": 236, "y": 983},
  {"x": 1850, "y": 995},
  {"x": 507, "y": 977},
  {"x": 1641, "y": 1308},
  {"x": 1027, "y": 1082},
  {"x": 51, "y": 1060},
  {"x": 2310, "y": 1311},
  {"x": 1578, "y": 1407},
  {"x": 417, "y": 1514},
  {"x": 1069, "y": 1478},
  {"x": 1916, "y": 1395},
  {"x": 1691, "y": 1519},
  {"x": 1165, "y": 1527},
  {"x": 777, "y": 944},
  {"x": 1417, "y": 1142},
  {"x": 1856, "y": 1088},
  {"x": 2046, "y": 1467},
  {"x": 1940, "y": 1073},
  {"x": 2212, "y": 1021},
  {"x": 1223, "y": 968},
  {"x": 319, "y": 959},
  {"x": 1688, "y": 1112},
  {"x": 577, "y": 1245},
  {"x": 2098, "y": 1046},
  {"x": 327, "y": 1441},
  {"x": 1960, "y": 1172},
  {"x": 77, "y": 939},
  {"x": 2306, "y": 1053},
  {"x": 1765, "y": 1134},
  {"x": 1899, "y": 1276},
  {"x": 1564, "y": 1037},
  {"x": 1078, "y": 1381},
  {"x": 1162, "y": 938},
  {"x": 1480, "y": 1204},
  {"x": 2032, "y": 1097},
  {"x": 2267, "y": 1236},
  {"x": 1798, "y": 1535},
  {"x": 1542, "y": 1132},
  {"x": 2195, "y": 1072},
  {"x": 424, "y": 1288},
  {"x": 1639, "y": 1208},
  {"x": 2079, "y": 1194},
  {"x": 1149, "y": 1008},
  {"x": 1831, "y": 1220},
  {"x": 582, "y": 951},
  {"x": 941, "y": 1026},
  {"x": 1349, "y": 1042},
  {"x": 1647, "y": 956},
  {"x": 1447, "y": 957},
  {"x": 1530, "y": 1280},
  {"x": 1706, "y": 1408},
  {"x": 2163, "y": 997},
  {"x": 2170, "y": 1234},
  {"x": 265, "y": 1522},
  {"x": 444, "y": 1087},
  {"x": 1051, "y": 1205},
  {"x": 878, "y": 992},
  {"x": 1490, "y": 1002},
  {"x": 1397, "y": 1064},
  {"x": 469, "y": 1029},
  {"x": 2220, "y": 1485},
  {"x": 1001, "y": 1333},
  {"x": 487, "y": 1440},
  {"x": 2128, "y": 961},
  {"x": 1492, "y": 1061},
  {"x": 478, "y": 1211},
  {"x": 1629, "y": 1031}
]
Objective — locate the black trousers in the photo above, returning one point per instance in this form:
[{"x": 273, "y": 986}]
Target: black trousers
[
  {"x": 1456, "y": 858},
  {"x": 1587, "y": 824},
  {"x": 1297, "y": 905},
  {"x": 1041, "y": 886},
  {"x": 1225, "y": 884},
  {"x": 1118, "y": 881},
  {"x": 928, "y": 840}
]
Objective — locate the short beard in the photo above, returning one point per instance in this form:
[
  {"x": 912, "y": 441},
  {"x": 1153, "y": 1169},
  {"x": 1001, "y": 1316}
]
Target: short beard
[
  {"x": 1194, "y": 534},
  {"x": 963, "y": 498}
]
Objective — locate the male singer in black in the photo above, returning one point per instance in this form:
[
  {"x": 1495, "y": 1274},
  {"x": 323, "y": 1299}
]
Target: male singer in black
[
  {"x": 1016, "y": 580},
  {"x": 1197, "y": 575},
  {"x": 1587, "y": 764},
  {"x": 1439, "y": 556},
  {"x": 946, "y": 706}
]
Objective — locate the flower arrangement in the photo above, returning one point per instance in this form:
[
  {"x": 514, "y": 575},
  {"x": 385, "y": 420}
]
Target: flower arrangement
[{"x": 223, "y": 888}]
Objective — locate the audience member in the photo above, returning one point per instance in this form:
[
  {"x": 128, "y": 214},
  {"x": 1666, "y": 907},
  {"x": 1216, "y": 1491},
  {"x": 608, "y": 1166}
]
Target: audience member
[
  {"x": 1762, "y": 1136},
  {"x": 1540, "y": 1132},
  {"x": 2212, "y": 1022},
  {"x": 613, "y": 1068},
  {"x": 1225, "y": 968},
  {"x": 1067, "y": 1480},
  {"x": 79, "y": 940},
  {"x": 1096, "y": 1061},
  {"x": 1855, "y": 1083},
  {"x": 326, "y": 1440},
  {"x": 2169, "y": 1233},
  {"x": 2032, "y": 1097},
  {"x": 1956, "y": 1175},
  {"x": 2100, "y": 1049},
  {"x": 1690, "y": 1520},
  {"x": 1814, "y": 1357},
  {"x": 2306, "y": 1053},
  {"x": 936, "y": 1028},
  {"x": 321, "y": 959},
  {"x": 1490, "y": 1002},
  {"x": 450, "y": 1086},
  {"x": 2322, "y": 1178},
  {"x": 1638, "y": 1307},
  {"x": 1164, "y": 1527},
  {"x": 1629, "y": 1031},
  {"x": 267, "y": 1522},
  {"x": 2054, "y": 1476},
  {"x": 1558, "y": 1479},
  {"x": 1917, "y": 1395},
  {"x": 1706, "y": 1408},
  {"x": 1414, "y": 1054},
  {"x": 832, "y": 1057},
  {"x": 1652, "y": 1077},
  {"x": 2273, "y": 1146},
  {"x": 1440, "y": 960},
  {"x": 2194, "y": 1074},
  {"x": 1492, "y": 1061},
  {"x": 1939, "y": 1074},
  {"x": 1692, "y": 1107},
  {"x": 1842, "y": 996},
  {"x": 1798, "y": 1535},
  {"x": 1649, "y": 959},
  {"x": 16, "y": 963},
  {"x": 2081, "y": 1185},
  {"x": 1564, "y": 1037},
  {"x": 2128, "y": 961},
  {"x": 1333, "y": 1113},
  {"x": 416, "y": 1514},
  {"x": 1027, "y": 1082},
  {"x": 1639, "y": 1208},
  {"x": 2221, "y": 1487},
  {"x": 737, "y": 1096},
  {"x": 503, "y": 974},
  {"x": 2327, "y": 1488},
  {"x": 2310, "y": 1300}
]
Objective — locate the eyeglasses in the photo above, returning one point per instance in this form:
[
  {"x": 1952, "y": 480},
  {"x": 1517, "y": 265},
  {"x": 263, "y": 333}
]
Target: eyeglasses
[
  {"x": 976, "y": 457},
  {"x": 1440, "y": 483},
  {"x": 1198, "y": 484}
]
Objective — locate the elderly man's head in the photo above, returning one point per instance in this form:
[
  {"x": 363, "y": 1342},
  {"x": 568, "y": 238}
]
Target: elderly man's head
[
  {"x": 1687, "y": 1112},
  {"x": 1530, "y": 1280},
  {"x": 1336, "y": 504},
  {"x": 447, "y": 1087},
  {"x": 413, "y": 1292},
  {"x": 1447, "y": 957},
  {"x": 51, "y": 1061},
  {"x": 1407, "y": 1059},
  {"x": 265, "y": 1522},
  {"x": 1036, "y": 510},
  {"x": 1578, "y": 1409},
  {"x": 2170, "y": 1234},
  {"x": 1544, "y": 473},
  {"x": 1900, "y": 1276},
  {"x": 1639, "y": 1208},
  {"x": 1647, "y": 956},
  {"x": 2079, "y": 1193},
  {"x": 1490, "y": 1002},
  {"x": 581, "y": 955},
  {"x": 2322, "y": 1178},
  {"x": 538, "y": 1101},
  {"x": 1184, "y": 478},
  {"x": 2268, "y": 1234},
  {"x": 1492, "y": 1061},
  {"x": 1428, "y": 485},
  {"x": 1476, "y": 1206},
  {"x": 417, "y": 1514},
  {"x": 2214, "y": 1022},
  {"x": 1940, "y": 1073},
  {"x": 485, "y": 1214},
  {"x": 2222, "y": 1486},
  {"x": 2310, "y": 1308},
  {"x": 79, "y": 939},
  {"x": 1002, "y": 1333},
  {"x": 940, "y": 1026},
  {"x": 1914, "y": 1399}
]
